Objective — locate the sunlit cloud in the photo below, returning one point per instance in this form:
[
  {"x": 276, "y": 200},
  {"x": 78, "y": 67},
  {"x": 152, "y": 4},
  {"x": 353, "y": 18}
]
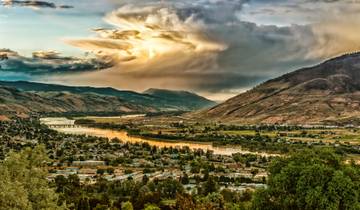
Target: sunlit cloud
[
  {"x": 142, "y": 34},
  {"x": 159, "y": 46}
]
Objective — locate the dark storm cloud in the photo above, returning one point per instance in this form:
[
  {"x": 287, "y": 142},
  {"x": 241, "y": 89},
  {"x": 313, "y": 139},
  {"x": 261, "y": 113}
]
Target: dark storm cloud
[
  {"x": 333, "y": 1},
  {"x": 34, "y": 4},
  {"x": 211, "y": 12},
  {"x": 47, "y": 63},
  {"x": 303, "y": 1},
  {"x": 213, "y": 82}
]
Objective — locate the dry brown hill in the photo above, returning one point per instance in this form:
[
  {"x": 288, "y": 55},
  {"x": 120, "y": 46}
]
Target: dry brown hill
[{"x": 326, "y": 93}]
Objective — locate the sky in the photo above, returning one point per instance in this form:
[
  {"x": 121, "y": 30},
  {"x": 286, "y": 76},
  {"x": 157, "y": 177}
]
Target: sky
[{"x": 217, "y": 48}]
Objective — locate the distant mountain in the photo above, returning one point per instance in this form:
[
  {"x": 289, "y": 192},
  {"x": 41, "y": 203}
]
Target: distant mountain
[
  {"x": 328, "y": 93},
  {"x": 49, "y": 97},
  {"x": 14, "y": 100},
  {"x": 181, "y": 98}
]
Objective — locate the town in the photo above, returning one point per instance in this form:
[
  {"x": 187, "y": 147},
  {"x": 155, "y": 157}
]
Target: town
[{"x": 91, "y": 160}]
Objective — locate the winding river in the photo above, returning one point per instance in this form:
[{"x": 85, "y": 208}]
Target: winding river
[
  {"x": 65, "y": 125},
  {"x": 122, "y": 135}
]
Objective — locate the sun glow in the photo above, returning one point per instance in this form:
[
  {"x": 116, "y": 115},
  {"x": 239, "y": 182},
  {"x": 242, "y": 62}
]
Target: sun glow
[
  {"x": 145, "y": 34},
  {"x": 152, "y": 53}
]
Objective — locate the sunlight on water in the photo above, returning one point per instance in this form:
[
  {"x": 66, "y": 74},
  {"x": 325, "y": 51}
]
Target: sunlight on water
[{"x": 122, "y": 135}]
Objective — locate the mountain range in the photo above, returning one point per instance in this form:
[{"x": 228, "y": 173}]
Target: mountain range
[
  {"x": 328, "y": 93},
  {"x": 22, "y": 96}
]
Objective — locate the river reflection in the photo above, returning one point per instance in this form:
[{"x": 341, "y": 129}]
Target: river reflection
[{"x": 122, "y": 135}]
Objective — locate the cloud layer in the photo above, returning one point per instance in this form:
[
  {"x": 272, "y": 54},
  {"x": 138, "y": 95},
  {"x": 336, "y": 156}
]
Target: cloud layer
[
  {"x": 34, "y": 4},
  {"x": 47, "y": 63},
  {"x": 166, "y": 45},
  {"x": 213, "y": 46},
  {"x": 200, "y": 45}
]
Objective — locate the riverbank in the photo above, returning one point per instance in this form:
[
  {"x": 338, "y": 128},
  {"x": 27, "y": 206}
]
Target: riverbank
[{"x": 123, "y": 136}]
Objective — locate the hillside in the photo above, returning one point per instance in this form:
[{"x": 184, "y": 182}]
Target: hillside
[
  {"x": 28, "y": 96},
  {"x": 13, "y": 100},
  {"x": 328, "y": 93}
]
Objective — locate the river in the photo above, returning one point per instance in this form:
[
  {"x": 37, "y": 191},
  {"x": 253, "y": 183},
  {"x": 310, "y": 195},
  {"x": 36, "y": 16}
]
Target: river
[{"x": 123, "y": 136}]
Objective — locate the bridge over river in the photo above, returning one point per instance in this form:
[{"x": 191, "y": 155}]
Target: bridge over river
[{"x": 59, "y": 123}]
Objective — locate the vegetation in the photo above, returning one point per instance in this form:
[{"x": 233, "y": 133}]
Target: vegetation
[
  {"x": 311, "y": 179},
  {"x": 38, "y": 171},
  {"x": 262, "y": 138},
  {"x": 23, "y": 183}
]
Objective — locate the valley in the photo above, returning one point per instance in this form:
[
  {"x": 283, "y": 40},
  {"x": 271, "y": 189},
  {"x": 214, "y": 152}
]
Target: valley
[
  {"x": 107, "y": 148},
  {"x": 179, "y": 105}
]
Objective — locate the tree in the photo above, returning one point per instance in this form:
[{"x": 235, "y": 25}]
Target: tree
[
  {"x": 23, "y": 183},
  {"x": 84, "y": 204},
  {"x": 127, "y": 206},
  {"x": 100, "y": 171},
  {"x": 169, "y": 188},
  {"x": 151, "y": 207},
  {"x": 210, "y": 186},
  {"x": 211, "y": 201},
  {"x": 311, "y": 179},
  {"x": 145, "y": 180},
  {"x": 254, "y": 172},
  {"x": 110, "y": 171},
  {"x": 185, "y": 202},
  {"x": 60, "y": 182},
  {"x": 195, "y": 167},
  {"x": 128, "y": 171},
  {"x": 184, "y": 179}
]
